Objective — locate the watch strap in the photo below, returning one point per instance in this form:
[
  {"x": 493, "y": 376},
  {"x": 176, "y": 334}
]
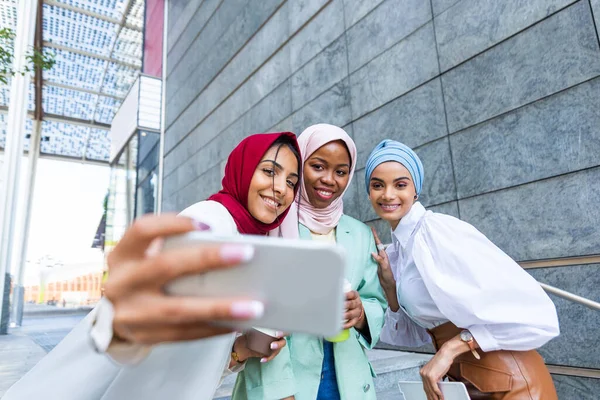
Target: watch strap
[
  {"x": 235, "y": 357},
  {"x": 471, "y": 344}
]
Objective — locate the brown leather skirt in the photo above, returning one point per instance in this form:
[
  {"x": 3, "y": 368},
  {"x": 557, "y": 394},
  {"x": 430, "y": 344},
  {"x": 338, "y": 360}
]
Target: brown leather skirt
[{"x": 503, "y": 374}]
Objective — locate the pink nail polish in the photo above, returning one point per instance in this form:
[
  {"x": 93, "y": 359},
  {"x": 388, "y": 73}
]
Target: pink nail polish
[
  {"x": 247, "y": 309},
  {"x": 263, "y": 360},
  {"x": 237, "y": 252},
  {"x": 274, "y": 346},
  {"x": 201, "y": 226}
]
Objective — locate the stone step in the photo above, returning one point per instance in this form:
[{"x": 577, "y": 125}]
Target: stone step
[{"x": 390, "y": 366}]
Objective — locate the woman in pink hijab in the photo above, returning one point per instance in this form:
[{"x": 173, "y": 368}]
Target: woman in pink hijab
[{"x": 312, "y": 367}]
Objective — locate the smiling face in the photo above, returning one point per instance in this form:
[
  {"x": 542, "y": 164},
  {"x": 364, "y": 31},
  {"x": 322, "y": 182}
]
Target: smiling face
[
  {"x": 327, "y": 173},
  {"x": 272, "y": 187},
  {"x": 391, "y": 191}
]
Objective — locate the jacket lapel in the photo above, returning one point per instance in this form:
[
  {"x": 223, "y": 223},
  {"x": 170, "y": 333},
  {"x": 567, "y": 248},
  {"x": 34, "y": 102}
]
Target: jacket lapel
[
  {"x": 304, "y": 233},
  {"x": 344, "y": 238}
]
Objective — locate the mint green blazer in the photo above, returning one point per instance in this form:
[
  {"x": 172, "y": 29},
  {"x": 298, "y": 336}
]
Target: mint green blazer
[{"x": 297, "y": 368}]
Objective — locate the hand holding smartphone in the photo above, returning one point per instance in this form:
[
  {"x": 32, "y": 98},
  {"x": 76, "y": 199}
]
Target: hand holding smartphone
[{"x": 299, "y": 281}]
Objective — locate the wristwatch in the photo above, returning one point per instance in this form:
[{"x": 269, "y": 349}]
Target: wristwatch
[
  {"x": 234, "y": 354},
  {"x": 467, "y": 337},
  {"x": 235, "y": 357}
]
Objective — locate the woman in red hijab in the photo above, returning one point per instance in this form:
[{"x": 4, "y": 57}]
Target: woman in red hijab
[
  {"x": 249, "y": 192},
  {"x": 135, "y": 320}
]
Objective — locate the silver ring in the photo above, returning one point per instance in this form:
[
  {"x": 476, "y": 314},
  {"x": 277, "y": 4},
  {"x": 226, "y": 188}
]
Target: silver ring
[{"x": 380, "y": 246}]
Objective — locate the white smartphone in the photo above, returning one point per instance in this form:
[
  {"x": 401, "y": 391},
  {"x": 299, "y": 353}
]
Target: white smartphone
[
  {"x": 300, "y": 282},
  {"x": 451, "y": 390}
]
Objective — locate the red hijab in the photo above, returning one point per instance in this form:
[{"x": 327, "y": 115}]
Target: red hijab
[{"x": 241, "y": 164}]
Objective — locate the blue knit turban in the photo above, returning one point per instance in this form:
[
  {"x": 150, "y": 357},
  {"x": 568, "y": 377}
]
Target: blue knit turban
[{"x": 391, "y": 150}]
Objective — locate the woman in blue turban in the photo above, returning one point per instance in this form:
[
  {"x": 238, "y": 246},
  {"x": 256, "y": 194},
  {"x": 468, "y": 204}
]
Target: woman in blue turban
[{"x": 446, "y": 282}]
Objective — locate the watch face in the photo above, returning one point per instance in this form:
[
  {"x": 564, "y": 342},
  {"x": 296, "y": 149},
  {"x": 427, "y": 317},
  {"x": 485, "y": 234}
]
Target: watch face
[{"x": 466, "y": 336}]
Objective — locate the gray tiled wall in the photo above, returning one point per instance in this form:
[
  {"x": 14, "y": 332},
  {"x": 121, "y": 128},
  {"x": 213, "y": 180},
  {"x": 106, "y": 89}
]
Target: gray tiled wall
[
  {"x": 573, "y": 388},
  {"x": 579, "y": 325},
  {"x": 501, "y": 99},
  {"x": 596, "y": 10},
  {"x": 415, "y": 119},
  {"x": 553, "y": 55},
  {"x": 550, "y": 137},
  {"x": 550, "y": 218},
  {"x": 406, "y": 65},
  {"x": 473, "y": 26},
  {"x": 439, "y": 6},
  {"x": 379, "y": 30}
]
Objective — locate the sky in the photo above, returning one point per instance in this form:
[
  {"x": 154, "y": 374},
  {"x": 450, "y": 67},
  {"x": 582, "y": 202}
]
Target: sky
[{"x": 67, "y": 207}]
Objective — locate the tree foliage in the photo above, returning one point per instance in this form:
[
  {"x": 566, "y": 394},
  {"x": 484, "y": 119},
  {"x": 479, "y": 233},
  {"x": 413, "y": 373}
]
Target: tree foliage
[{"x": 35, "y": 58}]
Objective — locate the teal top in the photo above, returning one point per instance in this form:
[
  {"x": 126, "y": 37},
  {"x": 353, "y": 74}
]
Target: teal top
[{"x": 297, "y": 368}]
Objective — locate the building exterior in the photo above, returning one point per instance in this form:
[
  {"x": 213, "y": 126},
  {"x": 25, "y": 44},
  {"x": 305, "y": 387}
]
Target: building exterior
[
  {"x": 81, "y": 290},
  {"x": 500, "y": 99},
  {"x": 135, "y": 136},
  {"x": 134, "y": 158},
  {"x": 73, "y": 281},
  {"x": 64, "y": 112}
]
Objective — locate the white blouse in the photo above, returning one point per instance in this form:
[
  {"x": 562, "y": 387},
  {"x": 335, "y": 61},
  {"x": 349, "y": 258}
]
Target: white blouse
[
  {"x": 212, "y": 355},
  {"x": 446, "y": 270},
  {"x": 185, "y": 370},
  {"x": 221, "y": 223}
]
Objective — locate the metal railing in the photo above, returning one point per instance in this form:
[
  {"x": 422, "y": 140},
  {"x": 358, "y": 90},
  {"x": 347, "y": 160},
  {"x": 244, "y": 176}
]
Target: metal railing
[{"x": 594, "y": 305}]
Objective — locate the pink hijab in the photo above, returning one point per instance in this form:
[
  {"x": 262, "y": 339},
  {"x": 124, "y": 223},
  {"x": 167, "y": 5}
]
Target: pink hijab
[{"x": 323, "y": 220}]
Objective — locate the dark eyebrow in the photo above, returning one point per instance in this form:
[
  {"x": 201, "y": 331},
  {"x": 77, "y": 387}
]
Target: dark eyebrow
[
  {"x": 275, "y": 164},
  {"x": 325, "y": 162},
  {"x": 402, "y": 178},
  {"x": 278, "y": 166}
]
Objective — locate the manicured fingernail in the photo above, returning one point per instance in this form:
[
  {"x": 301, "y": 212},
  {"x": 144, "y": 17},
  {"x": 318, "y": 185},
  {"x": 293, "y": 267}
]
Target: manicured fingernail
[
  {"x": 274, "y": 346},
  {"x": 237, "y": 252},
  {"x": 279, "y": 334},
  {"x": 154, "y": 248},
  {"x": 263, "y": 360},
  {"x": 248, "y": 309},
  {"x": 201, "y": 226}
]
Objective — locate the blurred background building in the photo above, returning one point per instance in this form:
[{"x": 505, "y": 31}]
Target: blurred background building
[{"x": 107, "y": 57}]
